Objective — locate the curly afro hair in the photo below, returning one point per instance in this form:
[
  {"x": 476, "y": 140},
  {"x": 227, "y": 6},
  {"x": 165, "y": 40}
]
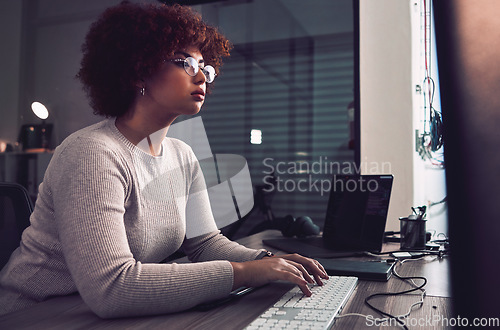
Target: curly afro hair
[{"x": 128, "y": 43}]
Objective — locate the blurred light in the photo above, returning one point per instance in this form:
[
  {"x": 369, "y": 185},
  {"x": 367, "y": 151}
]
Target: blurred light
[
  {"x": 256, "y": 136},
  {"x": 40, "y": 110}
]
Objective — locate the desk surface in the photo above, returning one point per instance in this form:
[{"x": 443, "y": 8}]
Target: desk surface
[{"x": 70, "y": 312}]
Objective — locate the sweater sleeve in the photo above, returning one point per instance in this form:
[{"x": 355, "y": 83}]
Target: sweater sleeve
[
  {"x": 89, "y": 187},
  {"x": 215, "y": 246}
]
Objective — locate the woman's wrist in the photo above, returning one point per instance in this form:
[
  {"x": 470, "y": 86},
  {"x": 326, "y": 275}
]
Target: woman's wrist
[{"x": 238, "y": 275}]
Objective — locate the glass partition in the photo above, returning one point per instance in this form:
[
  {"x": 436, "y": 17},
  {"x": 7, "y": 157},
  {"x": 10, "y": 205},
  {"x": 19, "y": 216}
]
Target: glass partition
[{"x": 285, "y": 98}]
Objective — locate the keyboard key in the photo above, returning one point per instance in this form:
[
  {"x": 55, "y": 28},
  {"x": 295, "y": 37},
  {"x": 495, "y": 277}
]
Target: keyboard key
[{"x": 296, "y": 311}]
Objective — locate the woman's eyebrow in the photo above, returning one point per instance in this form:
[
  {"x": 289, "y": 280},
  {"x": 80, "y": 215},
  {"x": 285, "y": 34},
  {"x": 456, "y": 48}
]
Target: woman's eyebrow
[{"x": 188, "y": 55}]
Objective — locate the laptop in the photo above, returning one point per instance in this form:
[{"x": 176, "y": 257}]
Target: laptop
[{"x": 355, "y": 219}]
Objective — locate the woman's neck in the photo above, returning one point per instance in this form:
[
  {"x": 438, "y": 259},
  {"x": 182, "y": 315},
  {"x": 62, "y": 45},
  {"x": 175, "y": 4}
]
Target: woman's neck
[{"x": 143, "y": 134}]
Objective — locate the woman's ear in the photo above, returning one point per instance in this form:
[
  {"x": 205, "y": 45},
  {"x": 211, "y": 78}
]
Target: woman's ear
[{"x": 141, "y": 85}]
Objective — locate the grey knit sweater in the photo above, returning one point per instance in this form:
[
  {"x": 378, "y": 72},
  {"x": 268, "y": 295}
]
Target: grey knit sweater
[{"x": 107, "y": 213}]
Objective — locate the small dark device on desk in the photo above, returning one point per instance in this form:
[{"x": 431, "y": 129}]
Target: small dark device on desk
[
  {"x": 355, "y": 219},
  {"x": 364, "y": 270},
  {"x": 413, "y": 235}
]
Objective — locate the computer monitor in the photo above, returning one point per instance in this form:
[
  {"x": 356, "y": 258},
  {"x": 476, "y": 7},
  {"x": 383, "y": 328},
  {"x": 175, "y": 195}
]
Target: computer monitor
[{"x": 468, "y": 48}]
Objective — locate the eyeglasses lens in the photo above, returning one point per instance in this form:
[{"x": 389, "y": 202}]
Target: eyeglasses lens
[
  {"x": 209, "y": 73},
  {"x": 191, "y": 66}
]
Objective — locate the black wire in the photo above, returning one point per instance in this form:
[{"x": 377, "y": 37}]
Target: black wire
[
  {"x": 395, "y": 294},
  {"x": 424, "y": 252},
  {"x": 445, "y": 199},
  {"x": 435, "y": 121},
  {"x": 426, "y": 119},
  {"x": 436, "y": 125}
]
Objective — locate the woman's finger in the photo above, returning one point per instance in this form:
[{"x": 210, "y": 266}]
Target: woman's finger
[
  {"x": 303, "y": 271},
  {"x": 313, "y": 266},
  {"x": 320, "y": 266},
  {"x": 292, "y": 274}
]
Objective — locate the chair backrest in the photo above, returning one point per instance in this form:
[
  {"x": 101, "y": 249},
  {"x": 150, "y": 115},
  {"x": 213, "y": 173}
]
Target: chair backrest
[{"x": 15, "y": 210}]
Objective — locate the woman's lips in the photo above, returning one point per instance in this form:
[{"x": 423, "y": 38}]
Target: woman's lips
[{"x": 198, "y": 95}]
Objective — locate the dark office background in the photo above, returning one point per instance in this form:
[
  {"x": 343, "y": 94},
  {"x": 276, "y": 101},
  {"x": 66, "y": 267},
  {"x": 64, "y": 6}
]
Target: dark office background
[{"x": 291, "y": 76}]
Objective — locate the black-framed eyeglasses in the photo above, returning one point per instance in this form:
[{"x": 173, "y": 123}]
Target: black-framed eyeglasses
[{"x": 191, "y": 66}]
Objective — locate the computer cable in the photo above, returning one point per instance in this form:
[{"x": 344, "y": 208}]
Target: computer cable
[
  {"x": 444, "y": 200},
  {"x": 407, "y": 314},
  {"x": 413, "y": 254},
  {"x": 384, "y": 294},
  {"x": 411, "y": 280},
  {"x": 435, "y": 121},
  {"x": 355, "y": 314},
  {"x": 441, "y": 252},
  {"x": 443, "y": 234}
]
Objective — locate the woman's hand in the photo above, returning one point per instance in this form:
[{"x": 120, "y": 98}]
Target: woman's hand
[{"x": 293, "y": 268}]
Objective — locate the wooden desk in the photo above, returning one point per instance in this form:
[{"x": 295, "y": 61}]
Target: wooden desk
[{"x": 70, "y": 312}]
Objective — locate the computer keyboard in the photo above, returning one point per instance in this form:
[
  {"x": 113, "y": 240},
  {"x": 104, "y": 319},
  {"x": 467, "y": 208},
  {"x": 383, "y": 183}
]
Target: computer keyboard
[{"x": 294, "y": 310}]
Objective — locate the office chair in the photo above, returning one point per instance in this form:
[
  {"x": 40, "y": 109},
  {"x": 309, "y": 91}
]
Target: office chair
[{"x": 15, "y": 210}]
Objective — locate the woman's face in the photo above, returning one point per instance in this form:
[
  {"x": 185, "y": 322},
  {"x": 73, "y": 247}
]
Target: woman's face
[{"x": 171, "y": 91}]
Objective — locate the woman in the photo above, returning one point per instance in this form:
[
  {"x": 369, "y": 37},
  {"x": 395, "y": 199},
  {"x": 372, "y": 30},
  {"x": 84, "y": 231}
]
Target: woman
[{"x": 118, "y": 197}]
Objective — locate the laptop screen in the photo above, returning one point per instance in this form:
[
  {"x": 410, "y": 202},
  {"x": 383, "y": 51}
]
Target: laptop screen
[{"x": 357, "y": 212}]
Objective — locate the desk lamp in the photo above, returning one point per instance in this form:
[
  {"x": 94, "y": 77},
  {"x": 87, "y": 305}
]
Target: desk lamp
[
  {"x": 35, "y": 138},
  {"x": 41, "y": 112}
]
